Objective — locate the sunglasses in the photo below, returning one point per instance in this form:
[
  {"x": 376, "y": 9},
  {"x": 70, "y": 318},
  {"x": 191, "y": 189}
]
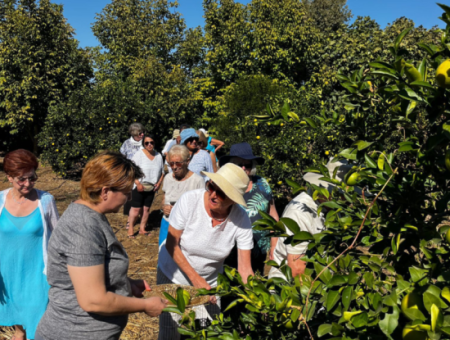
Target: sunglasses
[
  {"x": 192, "y": 140},
  {"x": 147, "y": 143},
  {"x": 211, "y": 187},
  {"x": 177, "y": 164},
  {"x": 244, "y": 165},
  {"x": 22, "y": 180}
]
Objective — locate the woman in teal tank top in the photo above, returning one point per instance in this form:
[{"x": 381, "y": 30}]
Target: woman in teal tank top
[{"x": 27, "y": 217}]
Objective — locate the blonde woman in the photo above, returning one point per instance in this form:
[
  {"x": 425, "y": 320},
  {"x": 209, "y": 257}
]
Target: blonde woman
[{"x": 90, "y": 294}]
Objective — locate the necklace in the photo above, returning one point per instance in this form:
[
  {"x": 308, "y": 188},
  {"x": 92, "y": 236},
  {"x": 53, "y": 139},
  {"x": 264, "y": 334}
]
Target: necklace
[
  {"x": 18, "y": 201},
  {"x": 218, "y": 219}
]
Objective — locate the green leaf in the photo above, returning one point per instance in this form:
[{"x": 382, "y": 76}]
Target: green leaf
[
  {"x": 172, "y": 310},
  {"x": 390, "y": 322},
  {"x": 422, "y": 84},
  {"x": 337, "y": 280},
  {"x": 361, "y": 145},
  {"x": 324, "y": 329},
  {"x": 385, "y": 73},
  {"x": 290, "y": 224},
  {"x": 446, "y": 293},
  {"x": 381, "y": 64},
  {"x": 331, "y": 205},
  {"x": 445, "y": 8},
  {"x": 349, "y": 153},
  {"x": 332, "y": 298},
  {"x": 347, "y": 297},
  {"x": 417, "y": 274},
  {"x": 436, "y": 318},
  {"x": 400, "y": 38},
  {"x": 310, "y": 122},
  {"x": 170, "y": 298},
  {"x": 380, "y": 163},
  {"x": 360, "y": 320},
  {"x": 370, "y": 162},
  {"x": 285, "y": 110},
  {"x": 303, "y": 236},
  {"x": 183, "y": 331},
  {"x": 181, "y": 304}
]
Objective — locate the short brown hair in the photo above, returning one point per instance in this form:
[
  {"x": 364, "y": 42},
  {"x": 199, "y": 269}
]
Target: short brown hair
[
  {"x": 18, "y": 162},
  {"x": 202, "y": 138},
  {"x": 108, "y": 169}
]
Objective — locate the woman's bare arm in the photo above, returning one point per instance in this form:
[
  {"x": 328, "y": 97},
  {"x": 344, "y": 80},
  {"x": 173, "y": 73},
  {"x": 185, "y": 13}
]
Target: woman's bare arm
[
  {"x": 217, "y": 143},
  {"x": 245, "y": 264},
  {"x": 92, "y": 296}
]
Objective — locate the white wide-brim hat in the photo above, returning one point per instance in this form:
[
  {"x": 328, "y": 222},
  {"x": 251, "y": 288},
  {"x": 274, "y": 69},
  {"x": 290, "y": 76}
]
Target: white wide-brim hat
[{"x": 232, "y": 180}]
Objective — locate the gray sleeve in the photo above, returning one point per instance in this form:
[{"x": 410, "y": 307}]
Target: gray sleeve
[{"x": 84, "y": 245}]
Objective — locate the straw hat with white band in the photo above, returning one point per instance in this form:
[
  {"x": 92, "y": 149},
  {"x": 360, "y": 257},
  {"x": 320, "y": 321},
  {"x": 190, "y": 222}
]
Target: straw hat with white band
[{"x": 232, "y": 180}]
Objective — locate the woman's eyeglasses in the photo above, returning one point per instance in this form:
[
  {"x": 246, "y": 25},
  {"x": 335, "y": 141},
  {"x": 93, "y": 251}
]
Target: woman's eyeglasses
[
  {"x": 22, "y": 180},
  {"x": 211, "y": 187},
  {"x": 147, "y": 143},
  {"x": 177, "y": 164},
  {"x": 245, "y": 165}
]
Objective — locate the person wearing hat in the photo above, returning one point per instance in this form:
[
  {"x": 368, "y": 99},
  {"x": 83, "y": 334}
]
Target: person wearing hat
[
  {"x": 200, "y": 160},
  {"x": 258, "y": 196},
  {"x": 303, "y": 210},
  {"x": 204, "y": 226}
]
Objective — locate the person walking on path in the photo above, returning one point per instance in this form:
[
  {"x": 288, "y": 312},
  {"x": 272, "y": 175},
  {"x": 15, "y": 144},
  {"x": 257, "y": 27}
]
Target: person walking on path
[
  {"x": 258, "y": 197},
  {"x": 129, "y": 148},
  {"x": 27, "y": 219},
  {"x": 202, "y": 143},
  {"x": 181, "y": 180},
  {"x": 90, "y": 294},
  {"x": 200, "y": 159},
  {"x": 152, "y": 165},
  {"x": 205, "y": 225}
]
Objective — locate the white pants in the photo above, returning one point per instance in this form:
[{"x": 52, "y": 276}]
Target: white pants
[{"x": 169, "y": 322}]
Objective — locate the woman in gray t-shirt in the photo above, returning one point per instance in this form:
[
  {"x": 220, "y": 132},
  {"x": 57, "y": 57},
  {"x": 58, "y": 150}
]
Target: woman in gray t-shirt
[{"x": 90, "y": 294}]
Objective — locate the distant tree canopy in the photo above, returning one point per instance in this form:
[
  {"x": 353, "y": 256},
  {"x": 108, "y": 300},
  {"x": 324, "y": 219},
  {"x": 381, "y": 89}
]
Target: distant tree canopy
[
  {"x": 328, "y": 14},
  {"x": 40, "y": 64}
]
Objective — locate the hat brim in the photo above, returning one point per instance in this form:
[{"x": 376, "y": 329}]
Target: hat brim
[
  {"x": 231, "y": 192},
  {"x": 315, "y": 179},
  {"x": 226, "y": 159}
]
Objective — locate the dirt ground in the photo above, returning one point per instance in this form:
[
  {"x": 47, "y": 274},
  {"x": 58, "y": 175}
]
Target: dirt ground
[{"x": 143, "y": 250}]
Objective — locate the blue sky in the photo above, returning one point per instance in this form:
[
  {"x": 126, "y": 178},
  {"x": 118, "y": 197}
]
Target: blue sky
[{"x": 81, "y": 13}]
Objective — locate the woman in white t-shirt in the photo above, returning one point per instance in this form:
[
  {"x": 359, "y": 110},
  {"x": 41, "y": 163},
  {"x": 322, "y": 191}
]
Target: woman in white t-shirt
[
  {"x": 204, "y": 227},
  {"x": 152, "y": 165},
  {"x": 176, "y": 183}
]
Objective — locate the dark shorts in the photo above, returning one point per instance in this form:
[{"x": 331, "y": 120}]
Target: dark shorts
[{"x": 141, "y": 199}]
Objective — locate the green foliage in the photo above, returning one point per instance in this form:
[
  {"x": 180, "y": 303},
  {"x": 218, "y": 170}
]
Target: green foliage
[
  {"x": 40, "y": 64},
  {"x": 383, "y": 244},
  {"x": 138, "y": 78}
]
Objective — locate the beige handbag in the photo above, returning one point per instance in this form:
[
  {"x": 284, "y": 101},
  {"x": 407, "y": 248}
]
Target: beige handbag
[{"x": 148, "y": 186}]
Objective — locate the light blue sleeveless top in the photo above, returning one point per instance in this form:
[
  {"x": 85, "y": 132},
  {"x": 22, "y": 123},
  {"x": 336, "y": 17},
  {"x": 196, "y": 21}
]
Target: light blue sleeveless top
[{"x": 23, "y": 286}]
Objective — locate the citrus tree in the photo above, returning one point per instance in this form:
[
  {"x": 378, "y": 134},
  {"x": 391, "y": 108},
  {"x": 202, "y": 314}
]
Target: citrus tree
[
  {"x": 40, "y": 65},
  {"x": 381, "y": 269}
]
